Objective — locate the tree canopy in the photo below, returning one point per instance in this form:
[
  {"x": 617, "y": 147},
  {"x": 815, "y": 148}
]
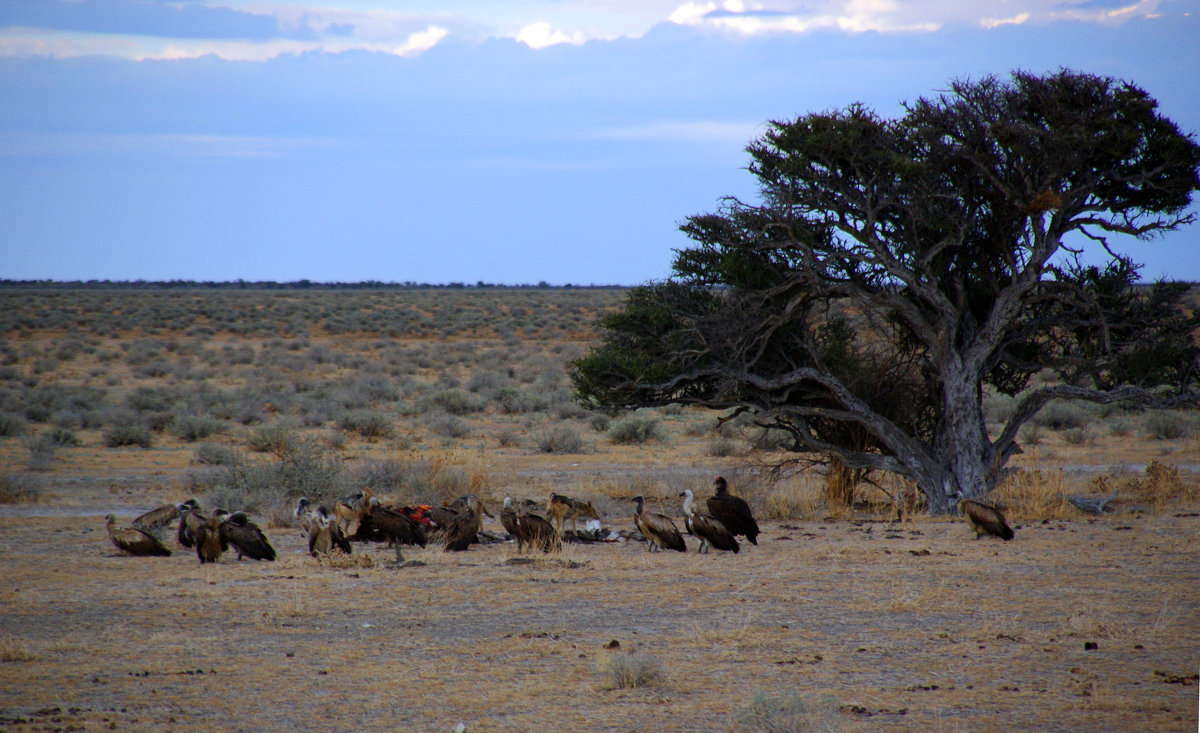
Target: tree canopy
[{"x": 894, "y": 268}]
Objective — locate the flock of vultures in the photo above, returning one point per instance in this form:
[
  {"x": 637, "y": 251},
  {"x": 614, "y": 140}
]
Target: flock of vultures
[{"x": 458, "y": 524}]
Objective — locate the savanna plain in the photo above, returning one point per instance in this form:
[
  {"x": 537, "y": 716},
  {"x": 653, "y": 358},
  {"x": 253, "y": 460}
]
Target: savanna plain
[{"x": 120, "y": 399}]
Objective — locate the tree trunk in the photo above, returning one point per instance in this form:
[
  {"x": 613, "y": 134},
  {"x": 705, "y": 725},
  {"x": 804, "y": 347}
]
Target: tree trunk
[{"x": 961, "y": 444}]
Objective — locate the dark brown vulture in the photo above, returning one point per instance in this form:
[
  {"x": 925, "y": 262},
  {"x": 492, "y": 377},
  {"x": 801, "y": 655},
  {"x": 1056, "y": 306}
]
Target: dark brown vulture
[
  {"x": 658, "y": 529},
  {"x": 155, "y": 520},
  {"x": 209, "y": 543},
  {"x": 246, "y": 538},
  {"x": 733, "y": 512},
  {"x": 190, "y": 522},
  {"x": 381, "y": 524},
  {"x": 464, "y": 527},
  {"x": 984, "y": 519},
  {"x": 529, "y": 529},
  {"x": 705, "y": 527},
  {"x": 135, "y": 541},
  {"x": 469, "y": 501}
]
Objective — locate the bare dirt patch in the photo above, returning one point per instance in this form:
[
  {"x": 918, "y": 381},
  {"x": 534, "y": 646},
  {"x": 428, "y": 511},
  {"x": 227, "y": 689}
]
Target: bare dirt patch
[{"x": 1076, "y": 625}]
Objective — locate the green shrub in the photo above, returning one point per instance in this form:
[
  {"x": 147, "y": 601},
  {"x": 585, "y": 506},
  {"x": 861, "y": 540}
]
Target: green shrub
[
  {"x": 196, "y": 427},
  {"x": 447, "y": 426},
  {"x": 62, "y": 436},
  {"x": 367, "y": 423},
  {"x": 1167, "y": 425},
  {"x": 278, "y": 438},
  {"x": 559, "y": 440},
  {"x": 634, "y": 430},
  {"x": 454, "y": 401},
  {"x": 130, "y": 434},
  {"x": 1061, "y": 416},
  {"x": 213, "y": 454},
  {"x": 12, "y": 425},
  {"x": 20, "y": 488}
]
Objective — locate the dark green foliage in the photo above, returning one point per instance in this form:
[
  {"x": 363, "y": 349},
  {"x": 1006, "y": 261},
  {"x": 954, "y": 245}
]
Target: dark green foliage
[
  {"x": 894, "y": 267},
  {"x": 131, "y": 434},
  {"x": 12, "y": 425}
]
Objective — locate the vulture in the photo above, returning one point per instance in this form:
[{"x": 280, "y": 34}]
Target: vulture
[
  {"x": 190, "y": 522},
  {"x": 464, "y": 527},
  {"x": 658, "y": 529},
  {"x": 469, "y": 501},
  {"x": 155, "y": 520},
  {"x": 705, "y": 527},
  {"x": 209, "y": 542},
  {"x": 134, "y": 541},
  {"x": 246, "y": 538},
  {"x": 733, "y": 512},
  {"x": 381, "y": 524},
  {"x": 529, "y": 529},
  {"x": 324, "y": 533},
  {"x": 983, "y": 518}
]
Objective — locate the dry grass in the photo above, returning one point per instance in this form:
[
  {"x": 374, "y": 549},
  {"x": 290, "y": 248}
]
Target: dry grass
[{"x": 837, "y": 620}]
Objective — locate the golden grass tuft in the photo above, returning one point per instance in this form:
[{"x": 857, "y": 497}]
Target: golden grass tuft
[
  {"x": 631, "y": 671},
  {"x": 13, "y": 649},
  {"x": 1034, "y": 495}
]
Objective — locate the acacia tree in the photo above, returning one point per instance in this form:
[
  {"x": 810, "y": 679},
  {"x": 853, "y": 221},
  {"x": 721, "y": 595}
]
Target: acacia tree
[{"x": 895, "y": 267}]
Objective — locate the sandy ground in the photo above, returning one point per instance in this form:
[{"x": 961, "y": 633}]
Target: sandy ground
[{"x": 1089, "y": 624}]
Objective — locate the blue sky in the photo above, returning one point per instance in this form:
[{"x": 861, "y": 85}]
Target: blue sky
[{"x": 507, "y": 142}]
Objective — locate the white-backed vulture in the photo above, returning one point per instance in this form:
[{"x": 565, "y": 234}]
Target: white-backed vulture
[
  {"x": 705, "y": 527},
  {"x": 733, "y": 512},
  {"x": 246, "y": 538},
  {"x": 658, "y": 529},
  {"x": 155, "y": 520},
  {"x": 381, "y": 524},
  {"x": 983, "y": 518},
  {"x": 134, "y": 541}
]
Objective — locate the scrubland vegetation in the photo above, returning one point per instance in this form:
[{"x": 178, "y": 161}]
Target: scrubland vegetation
[{"x": 245, "y": 398}]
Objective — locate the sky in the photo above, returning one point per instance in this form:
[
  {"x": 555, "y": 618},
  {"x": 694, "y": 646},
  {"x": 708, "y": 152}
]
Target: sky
[{"x": 508, "y": 142}]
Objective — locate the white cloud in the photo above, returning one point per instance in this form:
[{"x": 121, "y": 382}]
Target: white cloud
[
  {"x": 691, "y": 13},
  {"x": 540, "y": 35},
  {"x": 140, "y": 48},
  {"x": 1017, "y": 19}
]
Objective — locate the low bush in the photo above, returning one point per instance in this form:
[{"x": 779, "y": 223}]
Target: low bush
[
  {"x": 214, "y": 454},
  {"x": 369, "y": 424},
  {"x": 120, "y": 436},
  {"x": 196, "y": 427},
  {"x": 20, "y": 488},
  {"x": 631, "y": 671},
  {"x": 559, "y": 440},
  {"x": 1061, "y": 416},
  {"x": 635, "y": 430},
  {"x": 788, "y": 714},
  {"x": 1167, "y": 425},
  {"x": 12, "y": 425}
]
